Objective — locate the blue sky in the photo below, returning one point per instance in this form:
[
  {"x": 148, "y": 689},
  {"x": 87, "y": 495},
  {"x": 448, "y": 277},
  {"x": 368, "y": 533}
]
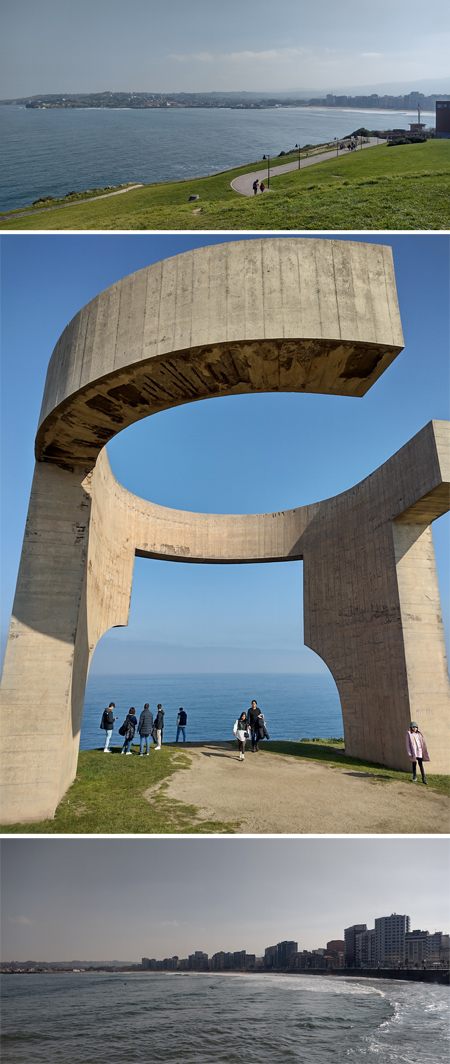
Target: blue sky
[
  {"x": 64, "y": 899},
  {"x": 254, "y": 453},
  {"x": 146, "y": 45}
]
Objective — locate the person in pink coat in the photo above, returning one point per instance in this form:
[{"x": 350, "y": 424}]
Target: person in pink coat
[{"x": 417, "y": 750}]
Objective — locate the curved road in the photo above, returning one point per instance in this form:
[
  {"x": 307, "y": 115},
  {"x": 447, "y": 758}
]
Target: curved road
[{"x": 244, "y": 184}]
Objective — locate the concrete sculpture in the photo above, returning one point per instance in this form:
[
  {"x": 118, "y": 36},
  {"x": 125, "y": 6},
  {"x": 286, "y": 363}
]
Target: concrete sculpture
[{"x": 250, "y": 316}]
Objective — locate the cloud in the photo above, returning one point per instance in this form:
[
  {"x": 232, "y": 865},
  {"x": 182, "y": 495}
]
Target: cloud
[
  {"x": 19, "y": 920},
  {"x": 371, "y": 55},
  {"x": 271, "y": 55}
]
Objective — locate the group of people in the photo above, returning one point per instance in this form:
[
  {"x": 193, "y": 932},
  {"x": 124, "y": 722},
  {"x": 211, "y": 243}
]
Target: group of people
[
  {"x": 258, "y": 186},
  {"x": 250, "y": 725},
  {"x": 147, "y": 728}
]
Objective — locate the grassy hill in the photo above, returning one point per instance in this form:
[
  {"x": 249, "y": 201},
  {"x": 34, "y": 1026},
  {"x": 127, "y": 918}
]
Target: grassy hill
[{"x": 400, "y": 187}]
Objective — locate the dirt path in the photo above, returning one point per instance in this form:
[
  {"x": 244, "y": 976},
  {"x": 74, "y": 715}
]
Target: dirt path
[
  {"x": 73, "y": 203},
  {"x": 272, "y": 794},
  {"x": 244, "y": 183}
]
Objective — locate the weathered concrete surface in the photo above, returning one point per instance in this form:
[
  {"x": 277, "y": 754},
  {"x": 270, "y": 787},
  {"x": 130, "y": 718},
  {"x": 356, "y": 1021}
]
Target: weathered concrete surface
[
  {"x": 260, "y": 315},
  {"x": 284, "y": 314}
]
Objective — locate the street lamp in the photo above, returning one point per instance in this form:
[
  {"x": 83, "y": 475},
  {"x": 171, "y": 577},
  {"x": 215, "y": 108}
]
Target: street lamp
[
  {"x": 268, "y": 171},
  {"x": 298, "y": 146}
]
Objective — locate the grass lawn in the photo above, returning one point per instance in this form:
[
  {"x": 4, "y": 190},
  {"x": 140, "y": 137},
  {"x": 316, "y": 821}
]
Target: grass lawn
[
  {"x": 107, "y": 796},
  {"x": 401, "y": 187}
]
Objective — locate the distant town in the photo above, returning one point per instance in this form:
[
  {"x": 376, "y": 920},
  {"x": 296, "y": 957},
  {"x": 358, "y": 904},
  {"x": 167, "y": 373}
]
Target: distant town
[
  {"x": 388, "y": 945},
  {"x": 409, "y": 101}
]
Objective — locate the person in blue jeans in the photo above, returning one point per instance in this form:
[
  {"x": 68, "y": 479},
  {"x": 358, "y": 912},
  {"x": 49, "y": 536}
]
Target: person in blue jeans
[
  {"x": 145, "y": 728},
  {"x": 181, "y": 724},
  {"x": 130, "y": 724}
]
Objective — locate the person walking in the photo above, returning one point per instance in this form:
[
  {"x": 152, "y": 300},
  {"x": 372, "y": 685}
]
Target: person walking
[
  {"x": 107, "y": 723},
  {"x": 158, "y": 726},
  {"x": 241, "y": 732},
  {"x": 181, "y": 724},
  {"x": 130, "y": 728},
  {"x": 262, "y": 187},
  {"x": 145, "y": 728},
  {"x": 252, "y": 717},
  {"x": 417, "y": 750},
  {"x": 255, "y": 187},
  {"x": 261, "y": 731}
]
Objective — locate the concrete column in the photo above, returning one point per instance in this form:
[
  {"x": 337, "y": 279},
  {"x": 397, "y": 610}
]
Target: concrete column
[{"x": 41, "y": 706}]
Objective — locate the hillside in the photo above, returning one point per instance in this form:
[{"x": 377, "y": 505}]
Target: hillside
[{"x": 399, "y": 187}]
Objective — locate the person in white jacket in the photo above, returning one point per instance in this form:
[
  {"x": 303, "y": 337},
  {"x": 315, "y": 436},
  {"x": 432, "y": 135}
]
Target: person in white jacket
[{"x": 241, "y": 732}]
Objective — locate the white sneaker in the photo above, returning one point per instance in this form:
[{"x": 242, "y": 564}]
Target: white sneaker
[
  {"x": 128, "y": 753},
  {"x": 122, "y": 751},
  {"x": 107, "y": 751},
  {"x": 157, "y": 747},
  {"x": 148, "y": 753}
]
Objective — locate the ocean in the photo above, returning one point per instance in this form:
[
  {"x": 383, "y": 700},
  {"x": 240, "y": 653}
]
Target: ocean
[
  {"x": 55, "y": 151},
  {"x": 207, "y": 1018},
  {"x": 295, "y": 706}
]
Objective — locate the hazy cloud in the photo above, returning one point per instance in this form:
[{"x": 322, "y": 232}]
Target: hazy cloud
[{"x": 19, "y": 920}]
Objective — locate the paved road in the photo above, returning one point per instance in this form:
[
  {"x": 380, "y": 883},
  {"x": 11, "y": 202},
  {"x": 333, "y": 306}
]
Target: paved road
[
  {"x": 244, "y": 183},
  {"x": 73, "y": 203}
]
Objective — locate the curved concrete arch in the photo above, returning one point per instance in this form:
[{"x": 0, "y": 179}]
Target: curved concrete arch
[
  {"x": 256, "y": 315},
  {"x": 284, "y": 314}
]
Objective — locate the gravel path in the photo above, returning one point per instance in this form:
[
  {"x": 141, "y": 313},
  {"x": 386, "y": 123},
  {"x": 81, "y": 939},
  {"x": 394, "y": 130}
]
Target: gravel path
[{"x": 272, "y": 794}]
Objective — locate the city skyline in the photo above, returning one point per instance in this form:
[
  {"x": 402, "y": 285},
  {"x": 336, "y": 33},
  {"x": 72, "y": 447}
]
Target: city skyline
[
  {"x": 205, "y": 47},
  {"x": 84, "y": 898}
]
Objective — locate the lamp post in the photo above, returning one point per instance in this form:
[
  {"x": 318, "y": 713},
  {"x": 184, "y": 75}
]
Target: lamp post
[
  {"x": 268, "y": 171},
  {"x": 337, "y": 146},
  {"x": 299, "y": 163}
]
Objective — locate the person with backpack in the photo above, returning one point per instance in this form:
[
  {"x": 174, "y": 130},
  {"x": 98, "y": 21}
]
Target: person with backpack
[
  {"x": 129, "y": 726},
  {"x": 145, "y": 728},
  {"x": 181, "y": 724},
  {"x": 255, "y": 186},
  {"x": 241, "y": 732},
  {"x": 107, "y": 724}
]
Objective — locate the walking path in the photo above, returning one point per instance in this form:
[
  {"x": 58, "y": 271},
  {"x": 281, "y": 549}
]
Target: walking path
[
  {"x": 274, "y": 794},
  {"x": 244, "y": 183},
  {"x": 73, "y": 203}
]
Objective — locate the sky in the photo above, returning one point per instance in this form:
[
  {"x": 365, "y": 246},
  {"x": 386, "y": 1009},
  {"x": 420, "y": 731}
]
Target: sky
[
  {"x": 237, "y": 454},
  {"x": 54, "y": 46},
  {"x": 66, "y": 899}
]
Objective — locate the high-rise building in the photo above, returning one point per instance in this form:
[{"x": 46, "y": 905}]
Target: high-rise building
[
  {"x": 284, "y": 950},
  {"x": 336, "y": 944},
  {"x": 390, "y": 939},
  {"x": 365, "y": 949},
  {"x": 443, "y": 119},
  {"x": 350, "y": 943}
]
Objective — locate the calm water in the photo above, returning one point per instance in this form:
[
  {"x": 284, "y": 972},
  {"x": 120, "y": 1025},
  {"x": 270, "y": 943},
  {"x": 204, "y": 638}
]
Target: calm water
[
  {"x": 294, "y": 706},
  {"x": 53, "y": 152},
  {"x": 144, "y": 1019}
]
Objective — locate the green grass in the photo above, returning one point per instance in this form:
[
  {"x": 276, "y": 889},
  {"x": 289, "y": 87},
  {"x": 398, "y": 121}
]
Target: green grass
[
  {"x": 107, "y": 797},
  {"x": 404, "y": 187},
  {"x": 331, "y": 752}
]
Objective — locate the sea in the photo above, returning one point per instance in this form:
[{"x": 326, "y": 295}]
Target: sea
[
  {"x": 295, "y": 706},
  {"x": 207, "y": 1018},
  {"x": 56, "y": 151}
]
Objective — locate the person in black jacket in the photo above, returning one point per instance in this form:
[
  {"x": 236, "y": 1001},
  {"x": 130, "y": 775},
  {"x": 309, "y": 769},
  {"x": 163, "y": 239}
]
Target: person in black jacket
[
  {"x": 181, "y": 724},
  {"x": 260, "y": 731},
  {"x": 107, "y": 724},
  {"x": 145, "y": 728},
  {"x": 130, "y": 725},
  {"x": 252, "y": 717},
  {"x": 158, "y": 726}
]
